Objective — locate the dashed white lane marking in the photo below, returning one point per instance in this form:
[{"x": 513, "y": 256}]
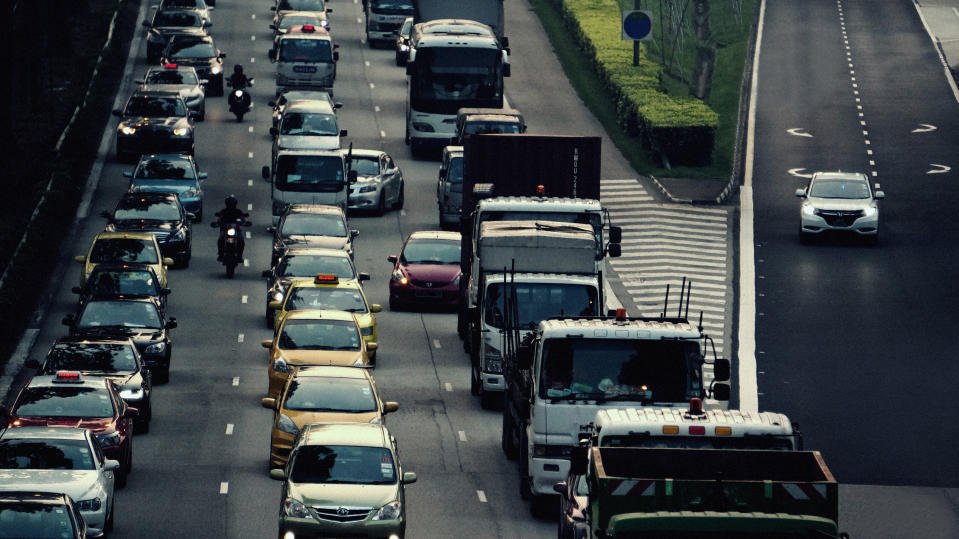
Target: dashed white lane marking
[
  {"x": 224, "y": 487},
  {"x": 449, "y": 387},
  {"x": 481, "y": 495},
  {"x": 252, "y": 60},
  {"x": 436, "y": 344},
  {"x": 250, "y": 129},
  {"x": 253, "y": 16},
  {"x": 376, "y": 108},
  {"x": 249, "y": 183},
  {"x": 229, "y": 429},
  {"x": 250, "y": 155},
  {"x": 372, "y": 86},
  {"x": 462, "y": 436},
  {"x": 244, "y": 298},
  {"x": 236, "y": 381},
  {"x": 382, "y": 134},
  {"x": 359, "y": 20},
  {"x": 249, "y": 236},
  {"x": 252, "y": 38},
  {"x": 240, "y": 338},
  {"x": 366, "y": 63},
  {"x": 249, "y": 207},
  {"x": 246, "y": 262}
]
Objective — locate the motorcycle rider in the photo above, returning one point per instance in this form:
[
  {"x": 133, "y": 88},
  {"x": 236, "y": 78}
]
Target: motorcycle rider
[
  {"x": 229, "y": 214},
  {"x": 238, "y": 80}
]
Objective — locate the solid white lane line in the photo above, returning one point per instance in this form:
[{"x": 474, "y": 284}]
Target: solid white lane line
[
  {"x": 462, "y": 436},
  {"x": 240, "y": 338},
  {"x": 229, "y": 429},
  {"x": 244, "y": 298},
  {"x": 481, "y": 495},
  {"x": 224, "y": 487},
  {"x": 436, "y": 344},
  {"x": 449, "y": 387},
  {"x": 236, "y": 381}
]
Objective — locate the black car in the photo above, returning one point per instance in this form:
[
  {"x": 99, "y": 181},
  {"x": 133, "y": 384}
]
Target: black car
[
  {"x": 113, "y": 281},
  {"x": 162, "y": 215},
  {"x": 312, "y": 225},
  {"x": 153, "y": 122},
  {"x": 167, "y": 23},
  {"x": 38, "y": 515},
  {"x": 139, "y": 319},
  {"x": 200, "y": 53},
  {"x": 115, "y": 358}
]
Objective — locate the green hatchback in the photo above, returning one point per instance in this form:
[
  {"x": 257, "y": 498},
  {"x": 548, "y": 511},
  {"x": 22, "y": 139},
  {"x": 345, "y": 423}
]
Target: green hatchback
[{"x": 343, "y": 479}]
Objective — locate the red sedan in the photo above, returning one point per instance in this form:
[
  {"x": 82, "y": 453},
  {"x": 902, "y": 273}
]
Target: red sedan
[
  {"x": 427, "y": 270},
  {"x": 69, "y": 399}
]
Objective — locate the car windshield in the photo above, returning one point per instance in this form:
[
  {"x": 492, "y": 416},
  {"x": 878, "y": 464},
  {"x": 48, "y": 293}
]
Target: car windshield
[
  {"x": 609, "y": 369},
  {"x": 26, "y": 520},
  {"x": 126, "y": 282},
  {"x": 337, "y": 299},
  {"x": 64, "y": 401},
  {"x": 128, "y": 314},
  {"x": 91, "y": 357},
  {"x": 319, "y": 335},
  {"x": 366, "y": 166},
  {"x": 124, "y": 250},
  {"x": 305, "y": 124},
  {"x": 482, "y": 128},
  {"x": 848, "y": 189},
  {"x": 171, "y": 77},
  {"x": 309, "y": 265},
  {"x": 393, "y": 7},
  {"x": 343, "y": 464},
  {"x": 193, "y": 4},
  {"x": 40, "y": 454},
  {"x": 315, "y": 394},
  {"x": 538, "y": 301},
  {"x": 164, "y": 169},
  {"x": 431, "y": 252},
  {"x": 314, "y": 224},
  {"x": 177, "y": 18},
  {"x": 159, "y": 107},
  {"x": 147, "y": 210},
  {"x": 298, "y": 20},
  {"x": 294, "y": 49},
  {"x": 192, "y": 49},
  {"x": 301, "y": 5}
]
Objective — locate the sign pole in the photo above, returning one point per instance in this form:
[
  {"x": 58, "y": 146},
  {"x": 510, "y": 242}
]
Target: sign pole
[{"x": 636, "y": 6}]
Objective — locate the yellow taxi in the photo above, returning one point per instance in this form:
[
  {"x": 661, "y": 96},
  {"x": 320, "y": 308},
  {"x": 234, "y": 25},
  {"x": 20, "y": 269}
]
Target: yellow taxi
[
  {"x": 327, "y": 291},
  {"x": 125, "y": 247},
  {"x": 314, "y": 337},
  {"x": 322, "y": 394}
]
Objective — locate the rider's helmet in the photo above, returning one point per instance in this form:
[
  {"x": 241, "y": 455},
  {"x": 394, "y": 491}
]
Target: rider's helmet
[
  {"x": 237, "y": 69},
  {"x": 230, "y": 202}
]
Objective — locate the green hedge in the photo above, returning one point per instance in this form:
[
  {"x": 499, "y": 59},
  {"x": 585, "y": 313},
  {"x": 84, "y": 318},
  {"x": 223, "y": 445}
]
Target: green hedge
[{"x": 682, "y": 128}]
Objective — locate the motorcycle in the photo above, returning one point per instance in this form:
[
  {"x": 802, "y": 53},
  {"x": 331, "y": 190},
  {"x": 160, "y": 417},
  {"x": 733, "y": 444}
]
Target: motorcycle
[
  {"x": 233, "y": 244},
  {"x": 240, "y": 100}
]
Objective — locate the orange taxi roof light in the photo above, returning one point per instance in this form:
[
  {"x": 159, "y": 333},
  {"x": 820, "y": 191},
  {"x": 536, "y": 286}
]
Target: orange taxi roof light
[
  {"x": 326, "y": 278},
  {"x": 169, "y": 66}
]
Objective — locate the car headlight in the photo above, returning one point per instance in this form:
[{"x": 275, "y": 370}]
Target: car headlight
[
  {"x": 367, "y": 330},
  {"x": 128, "y": 130},
  {"x": 285, "y": 424},
  {"x": 181, "y": 131},
  {"x": 278, "y": 296},
  {"x": 360, "y": 361},
  {"x": 870, "y": 211},
  {"x": 456, "y": 281},
  {"x": 109, "y": 439},
  {"x": 398, "y": 275},
  {"x": 368, "y": 188},
  {"x": 390, "y": 511},
  {"x": 216, "y": 70},
  {"x": 179, "y": 234},
  {"x": 295, "y": 508},
  {"x": 423, "y": 127},
  {"x": 280, "y": 365},
  {"x": 156, "y": 348},
  {"x": 93, "y": 504},
  {"x": 808, "y": 209},
  {"x": 132, "y": 394},
  {"x": 189, "y": 193}
]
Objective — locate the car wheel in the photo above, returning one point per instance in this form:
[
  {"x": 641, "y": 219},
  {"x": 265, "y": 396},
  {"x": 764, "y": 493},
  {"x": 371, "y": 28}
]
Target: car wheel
[
  {"x": 803, "y": 237},
  {"x": 163, "y": 375},
  {"x": 380, "y": 205},
  {"x": 399, "y": 62},
  {"x": 129, "y": 464},
  {"x": 199, "y": 216},
  {"x": 395, "y": 305},
  {"x": 373, "y": 359},
  {"x": 401, "y": 198},
  {"x": 108, "y": 524}
]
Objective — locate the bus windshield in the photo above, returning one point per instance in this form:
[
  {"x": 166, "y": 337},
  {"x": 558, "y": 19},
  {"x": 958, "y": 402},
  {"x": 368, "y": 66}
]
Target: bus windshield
[{"x": 446, "y": 79}]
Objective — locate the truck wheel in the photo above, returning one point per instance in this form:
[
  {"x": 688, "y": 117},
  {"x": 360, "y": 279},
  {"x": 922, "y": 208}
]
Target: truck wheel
[
  {"x": 488, "y": 399},
  {"x": 475, "y": 384},
  {"x": 506, "y": 441},
  {"x": 524, "y": 490},
  {"x": 543, "y": 506}
]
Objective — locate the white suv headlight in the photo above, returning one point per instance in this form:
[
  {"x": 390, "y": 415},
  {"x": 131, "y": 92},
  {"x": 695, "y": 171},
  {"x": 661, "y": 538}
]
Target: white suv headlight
[{"x": 390, "y": 511}]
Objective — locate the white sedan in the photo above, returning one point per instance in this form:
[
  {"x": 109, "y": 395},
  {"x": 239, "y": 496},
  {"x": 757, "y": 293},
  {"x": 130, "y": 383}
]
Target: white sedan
[
  {"x": 60, "y": 459},
  {"x": 839, "y": 201}
]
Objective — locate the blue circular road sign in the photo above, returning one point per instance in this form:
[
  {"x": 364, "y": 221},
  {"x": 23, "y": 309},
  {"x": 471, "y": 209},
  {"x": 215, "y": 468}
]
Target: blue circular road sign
[{"x": 637, "y": 25}]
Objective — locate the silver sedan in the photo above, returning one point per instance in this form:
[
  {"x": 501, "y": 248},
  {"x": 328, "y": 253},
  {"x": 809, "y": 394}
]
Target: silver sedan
[
  {"x": 379, "y": 182},
  {"x": 182, "y": 79},
  {"x": 842, "y": 202}
]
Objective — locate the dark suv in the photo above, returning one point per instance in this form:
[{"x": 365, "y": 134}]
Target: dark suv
[
  {"x": 200, "y": 53},
  {"x": 162, "y": 215}
]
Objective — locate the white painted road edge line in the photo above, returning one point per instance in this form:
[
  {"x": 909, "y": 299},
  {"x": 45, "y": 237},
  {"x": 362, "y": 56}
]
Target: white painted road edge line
[
  {"x": 481, "y": 495},
  {"x": 935, "y": 42},
  {"x": 748, "y": 386},
  {"x": 224, "y": 487}
]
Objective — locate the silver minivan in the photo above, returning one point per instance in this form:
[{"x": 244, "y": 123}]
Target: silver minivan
[{"x": 307, "y": 125}]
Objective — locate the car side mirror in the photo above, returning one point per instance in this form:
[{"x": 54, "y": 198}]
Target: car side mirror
[
  {"x": 266, "y": 343},
  {"x": 336, "y": 56},
  {"x": 409, "y": 478},
  {"x": 167, "y": 261},
  {"x": 371, "y": 347},
  {"x": 222, "y": 55},
  {"x": 504, "y": 41},
  {"x": 391, "y": 258},
  {"x": 721, "y": 391},
  {"x": 578, "y": 459},
  {"x": 337, "y": 105},
  {"x": 351, "y": 176},
  {"x": 364, "y": 277},
  {"x": 524, "y": 358},
  {"x": 560, "y": 488},
  {"x": 69, "y": 320},
  {"x": 271, "y": 229},
  {"x": 614, "y": 250},
  {"x": 390, "y": 406},
  {"x": 354, "y": 233},
  {"x": 31, "y": 364},
  {"x": 441, "y": 173},
  {"x": 506, "y": 70},
  {"x": 801, "y": 193},
  {"x": 80, "y": 259},
  {"x": 207, "y": 24},
  {"x": 268, "y": 402},
  {"x": 202, "y": 175},
  {"x": 343, "y": 132},
  {"x": 271, "y": 54},
  {"x": 376, "y": 308},
  {"x": 278, "y": 474},
  {"x": 190, "y": 216},
  {"x": 266, "y": 274},
  {"x": 721, "y": 369},
  {"x": 272, "y": 27},
  {"x": 274, "y": 132},
  {"x": 171, "y": 324},
  {"x": 879, "y": 195},
  {"x": 275, "y": 305},
  {"x": 165, "y": 291},
  {"x": 111, "y": 465},
  {"x": 131, "y": 412},
  {"x": 615, "y": 234}
]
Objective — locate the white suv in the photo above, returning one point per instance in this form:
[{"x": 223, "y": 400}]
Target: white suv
[{"x": 839, "y": 201}]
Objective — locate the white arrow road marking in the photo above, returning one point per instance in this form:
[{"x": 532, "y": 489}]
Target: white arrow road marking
[
  {"x": 798, "y": 172},
  {"x": 925, "y": 128},
  {"x": 798, "y": 131},
  {"x": 940, "y": 170}
]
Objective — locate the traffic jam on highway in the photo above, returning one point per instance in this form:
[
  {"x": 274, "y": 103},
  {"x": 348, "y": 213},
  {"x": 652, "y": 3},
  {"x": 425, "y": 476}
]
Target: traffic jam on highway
[{"x": 614, "y": 426}]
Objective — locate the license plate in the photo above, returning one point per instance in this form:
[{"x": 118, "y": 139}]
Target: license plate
[
  {"x": 304, "y": 69},
  {"x": 429, "y": 294}
]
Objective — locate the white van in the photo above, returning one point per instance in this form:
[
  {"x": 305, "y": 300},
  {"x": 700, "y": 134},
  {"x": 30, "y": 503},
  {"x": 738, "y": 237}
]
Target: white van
[{"x": 308, "y": 177}]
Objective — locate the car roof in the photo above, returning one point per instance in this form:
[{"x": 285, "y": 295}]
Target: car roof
[
  {"x": 317, "y": 251},
  {"x": 454, "y": 151},
  {"x": 435, "y": 234},
  {"x": 308, "y": 105},
  {"x": 307, "y": 95},
  {"x": 309, "y": 282},
  {"x": 105, "y": 235},
  {"x": 155, "y": 93},
  {"x": 170, "y": 66},
  {"x": 331, "y": 371},
  {"x": 206, "y": 38},
  {"x": 47, "y": 498},
  {"x": 104, "y": 339},
  {"x": 320, "y": 314},
  {"x": 44, "y": 433},
  {"x": 149, "y": 196},
  {"x": 124, "y": 266},
  {"x": 455, "y": 26},
  {"x": 315, "y": 208},
  {"x": 362, "y": 434},
  {"x": 839, "y": 175},
  {"x": 47, "y": 380},
  {"x": 360, "y": 152},
  {"x": 297, "y": 31}
]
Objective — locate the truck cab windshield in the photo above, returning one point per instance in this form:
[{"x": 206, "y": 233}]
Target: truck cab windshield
[
  {"x": 313, "y": 173},
  {"x": 539, "y": 301},
  {"x": 613, "y": 369}
]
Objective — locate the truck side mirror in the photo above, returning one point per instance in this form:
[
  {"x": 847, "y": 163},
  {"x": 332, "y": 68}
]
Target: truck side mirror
[
  {"x": 504, "y": 41},
  {"x": 351, "y": 176},
  {"x": 721, "y": 391},
  {"x": 578, "y": 459},
  {"x": 614, "y": 250},
  {"x": 409, "y": 67},
  {"x": 274, "y": 131},
  {"x": 615, "y": 234},
  {"x": 524, "y": 357},
  {"x": 721, "y": 370},
  {"x": 506, "y": 70},
  {"x": 336, "y": 56},
  {"x": 265, "y": 173}
]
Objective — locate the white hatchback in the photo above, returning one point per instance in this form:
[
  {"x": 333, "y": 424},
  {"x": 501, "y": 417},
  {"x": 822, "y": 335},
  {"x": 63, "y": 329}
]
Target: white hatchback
[{"x": 839, "y": 201}]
